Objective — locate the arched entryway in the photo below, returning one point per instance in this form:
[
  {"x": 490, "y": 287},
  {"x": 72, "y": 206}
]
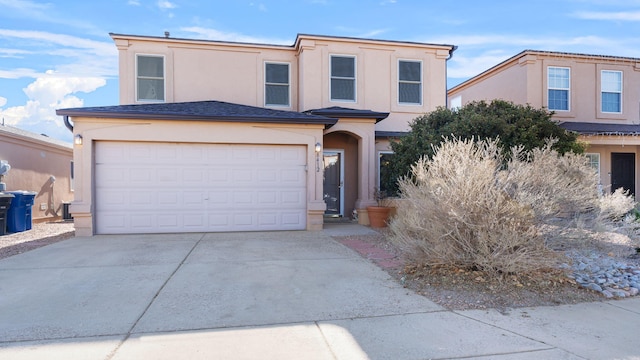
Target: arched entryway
[{"x": 341, "y": 178}]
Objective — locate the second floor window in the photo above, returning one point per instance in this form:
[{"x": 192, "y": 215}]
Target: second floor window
[
  {"x": 276, "y": 85},
  {"x": 558, "y": 80},
  {"x": 150, "y": 78},
  {"x": 410, "y": 82},
  {"x": 611, "y": 87},
  {"x": 343, "y": 78}
]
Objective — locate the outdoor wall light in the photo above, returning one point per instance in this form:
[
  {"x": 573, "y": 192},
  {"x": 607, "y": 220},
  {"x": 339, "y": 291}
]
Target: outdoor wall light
[
  {"x": 77, "y": 139},
  {"x": 318, "y": 149}
]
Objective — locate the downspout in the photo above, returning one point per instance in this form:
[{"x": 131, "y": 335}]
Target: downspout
[
  {"x": 446, "y": 77},
  {"x": 67, "y": 123}
]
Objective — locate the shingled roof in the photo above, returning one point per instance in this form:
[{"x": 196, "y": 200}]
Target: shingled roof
[
  {"x": 198, "y": 111},
  {"x": 28, "y": 135},
  {"x": 342, "y": 112},
  {"x": 586, "y": 128}
]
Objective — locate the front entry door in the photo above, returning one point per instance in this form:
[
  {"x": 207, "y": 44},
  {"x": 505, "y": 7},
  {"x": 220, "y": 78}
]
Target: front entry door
[
  {"x": 623, "y": 172},
  {"x": 333, "y": 192}
]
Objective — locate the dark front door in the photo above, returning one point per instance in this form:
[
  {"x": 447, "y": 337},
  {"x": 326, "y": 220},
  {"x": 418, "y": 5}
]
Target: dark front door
[
  {"x": 623, "y": 172},
  {"x": 333, "y": 182}
]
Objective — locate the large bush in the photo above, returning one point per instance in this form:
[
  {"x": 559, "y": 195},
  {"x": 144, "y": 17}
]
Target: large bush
[
  {"x": 464, "y": 207},
  {"x": 514, "y": 125}
]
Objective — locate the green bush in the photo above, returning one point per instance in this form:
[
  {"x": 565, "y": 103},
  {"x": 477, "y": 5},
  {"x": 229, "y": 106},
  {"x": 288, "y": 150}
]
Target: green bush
[{"x": 514, "y": 125}]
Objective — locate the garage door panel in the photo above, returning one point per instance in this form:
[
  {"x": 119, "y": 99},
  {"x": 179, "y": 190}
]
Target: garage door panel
[{"x": 175, "y": 187}]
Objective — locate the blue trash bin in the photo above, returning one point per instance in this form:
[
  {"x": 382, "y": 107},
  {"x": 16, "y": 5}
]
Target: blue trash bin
[
  {"x": 19, "y": 214},
  {"x": 29, "y": 198}
]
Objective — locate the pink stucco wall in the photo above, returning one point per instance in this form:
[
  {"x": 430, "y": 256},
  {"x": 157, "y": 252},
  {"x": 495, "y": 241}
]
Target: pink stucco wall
[
  {"x": 234, "y": 72},
  {"x": 34, "y": 159},
  {"x": 523, "y": 80}
]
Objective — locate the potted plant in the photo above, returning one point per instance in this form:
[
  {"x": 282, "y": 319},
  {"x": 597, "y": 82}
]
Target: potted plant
[{"x": 378, "y": 215}]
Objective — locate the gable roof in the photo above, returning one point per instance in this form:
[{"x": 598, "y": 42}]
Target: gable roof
[
  {"x": 30, "y": 136},
  {"x": 586, "y": 128},
  {"x": 342, "y": 112},
  {"x": 198, "y": 111}
]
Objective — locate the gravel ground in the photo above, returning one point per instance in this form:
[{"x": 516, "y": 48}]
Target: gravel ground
[
  {"x": 41, "y": 234},
  {"x": 461, "y": 289}
]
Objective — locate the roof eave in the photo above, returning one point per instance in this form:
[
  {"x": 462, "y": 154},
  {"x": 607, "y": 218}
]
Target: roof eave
[{"x": 151, "y": 116}]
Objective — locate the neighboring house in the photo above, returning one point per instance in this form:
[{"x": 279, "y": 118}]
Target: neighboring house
[
  {"x": 39, "y": 164},
  {"x": 596, "y": 96},
  {"x": 220, "y": 136}
]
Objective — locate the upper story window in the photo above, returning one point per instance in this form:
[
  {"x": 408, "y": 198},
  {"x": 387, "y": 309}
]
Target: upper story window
[
  {"x": 611, "y": 88},
  {"x": 276, "y": 84},
  {"x": 558, "y": 83},
  {"x": 410, "y": 82},
  {"x": 455, "y": 103},
  {"x": 150, "y": 78},
  {"x": 343, "y": 78}
]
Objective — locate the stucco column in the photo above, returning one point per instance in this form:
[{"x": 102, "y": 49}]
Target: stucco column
[{"x": 366, "y": 171}]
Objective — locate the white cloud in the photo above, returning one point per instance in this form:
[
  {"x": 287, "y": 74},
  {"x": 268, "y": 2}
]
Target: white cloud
[
  {"x": 471, "y": 59},
  {"x": 88, "y": 57},
  {"x": 165, "y": 4},
  {"x": 96, "y": 47},
  {"x": 466, "y": 65},
  {"x": 45, "y": 12},
  {"x": 213, "y": 34},
  {"x": 513, "y": 44},
  {"x": 13, "y": 53},
  {"x": 19, "y": 73},
  {"x": 604, "y": 15},
  {"x": 3, "y": 101},
  {"x": 25, "y": 6},
  {"x": 46, "y": 94},
  {"x": 133, "y": 2}
]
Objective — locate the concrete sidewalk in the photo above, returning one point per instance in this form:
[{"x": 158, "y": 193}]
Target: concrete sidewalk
[{"x": 277, "y": 295}]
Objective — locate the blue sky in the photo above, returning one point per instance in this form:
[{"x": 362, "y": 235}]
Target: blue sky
[{"x": 58, "y": 54}]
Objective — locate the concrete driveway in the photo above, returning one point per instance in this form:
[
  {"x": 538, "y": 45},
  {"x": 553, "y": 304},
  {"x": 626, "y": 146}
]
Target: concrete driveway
[{"x": 276, "y": 295}]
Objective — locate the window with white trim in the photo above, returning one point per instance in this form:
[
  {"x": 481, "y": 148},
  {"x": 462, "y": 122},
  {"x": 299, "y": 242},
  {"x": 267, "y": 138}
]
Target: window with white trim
[
  {"x": 558, "y": 84},
  {"x": 593, "y": 160},
  {"x": 343, "y": 78},
  {"x": 386, "y": 180},
  {"x": 276, "y": 84},
  {"x": 409, "y": 82},
  {"x": 611, "y": 91},
  {"x": 455, "y": 103},
  {"x": 149, "y": 78}
]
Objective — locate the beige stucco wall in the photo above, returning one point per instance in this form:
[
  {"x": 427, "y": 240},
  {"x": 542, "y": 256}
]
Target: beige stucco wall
[
  {"x": 190, "y": 132},
  {"x": 605, "y": 145},
  {"x": 33, "y": 163},
  {"x": 524, "y": 80},
  {"x": 207, "y": 70}
]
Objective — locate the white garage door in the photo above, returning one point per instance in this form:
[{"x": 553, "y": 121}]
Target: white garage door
[{"x": 178, "y": 187}]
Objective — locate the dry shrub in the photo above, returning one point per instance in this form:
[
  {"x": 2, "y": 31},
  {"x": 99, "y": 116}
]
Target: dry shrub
[
  {"x": 616, "y": 205},
  {"x": 467, "y": 207},
  {"x": 550, "y": 184},
  {"x": 458, "y": 209}
]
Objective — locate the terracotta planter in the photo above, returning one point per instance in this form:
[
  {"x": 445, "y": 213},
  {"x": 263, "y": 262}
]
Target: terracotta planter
[{"x": 378, "y": 216}]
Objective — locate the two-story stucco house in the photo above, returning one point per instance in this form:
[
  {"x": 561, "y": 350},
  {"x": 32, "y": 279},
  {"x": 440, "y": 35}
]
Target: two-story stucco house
[
  {"x": 596, "y": 96},
  {"x": 221, "y": 136}
]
